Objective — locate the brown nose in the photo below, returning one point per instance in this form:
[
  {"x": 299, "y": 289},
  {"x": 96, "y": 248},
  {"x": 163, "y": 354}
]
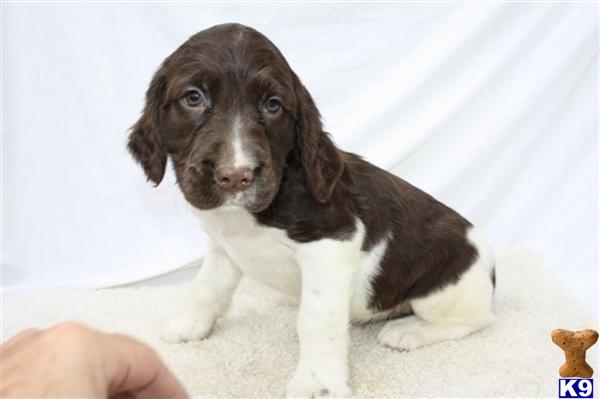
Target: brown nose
[{"x": 235, "y": 179}]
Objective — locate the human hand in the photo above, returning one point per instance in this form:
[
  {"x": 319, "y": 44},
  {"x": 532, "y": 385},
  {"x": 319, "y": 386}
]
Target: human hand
[{"x": 73, "y": 360}]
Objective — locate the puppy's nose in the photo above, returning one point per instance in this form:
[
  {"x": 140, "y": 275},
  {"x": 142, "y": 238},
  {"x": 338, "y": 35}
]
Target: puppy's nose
[{"x": 235, "y": 179}]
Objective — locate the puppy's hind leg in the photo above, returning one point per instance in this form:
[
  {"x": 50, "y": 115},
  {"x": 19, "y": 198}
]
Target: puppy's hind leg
[
  {"x": 452, "y": 312},
  {"x": 212, "y": 290}
]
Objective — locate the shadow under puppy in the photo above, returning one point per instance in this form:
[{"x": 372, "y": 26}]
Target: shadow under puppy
[{"x": 282, "y": 205}]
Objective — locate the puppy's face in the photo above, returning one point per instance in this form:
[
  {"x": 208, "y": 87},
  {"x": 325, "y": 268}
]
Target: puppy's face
[{"x": 227, "y": 109}]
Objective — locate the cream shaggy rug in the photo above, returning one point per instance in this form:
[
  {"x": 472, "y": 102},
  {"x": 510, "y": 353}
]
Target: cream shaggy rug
[{"x": 253, "y": 350}]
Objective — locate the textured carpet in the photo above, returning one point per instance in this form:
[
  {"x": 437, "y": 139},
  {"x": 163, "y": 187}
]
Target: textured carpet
[{"x": 253, "y": 350}]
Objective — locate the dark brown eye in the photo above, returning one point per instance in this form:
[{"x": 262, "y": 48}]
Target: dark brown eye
[
  {"x": 193, "y": 98},
  {"x": 273, "y": 105}
]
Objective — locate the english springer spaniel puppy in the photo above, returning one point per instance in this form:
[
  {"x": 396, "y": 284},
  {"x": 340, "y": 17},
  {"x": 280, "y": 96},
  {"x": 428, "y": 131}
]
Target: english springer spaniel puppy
[{"x": 284, "y": 206}]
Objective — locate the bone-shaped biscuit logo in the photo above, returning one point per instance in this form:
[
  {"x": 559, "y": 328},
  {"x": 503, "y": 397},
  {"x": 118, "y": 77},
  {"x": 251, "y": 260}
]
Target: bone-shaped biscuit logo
[{"x": 575, "y": 343}]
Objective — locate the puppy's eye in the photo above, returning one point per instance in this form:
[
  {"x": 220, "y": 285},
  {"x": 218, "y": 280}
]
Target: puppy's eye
[
  {"x": 193, "y": 98},
  {"x": 273, "y": 105}
]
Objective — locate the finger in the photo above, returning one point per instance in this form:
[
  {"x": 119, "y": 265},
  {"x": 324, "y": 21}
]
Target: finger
[
  {"x": 19, "y": 338},
  {"x": 135, "y": 367},
  {"x": 165, "y": 385}
]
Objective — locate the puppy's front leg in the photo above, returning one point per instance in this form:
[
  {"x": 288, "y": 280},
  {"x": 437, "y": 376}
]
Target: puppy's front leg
[
  {"x": 211, "y": 294},
  {"x": 327, "y": 269}
]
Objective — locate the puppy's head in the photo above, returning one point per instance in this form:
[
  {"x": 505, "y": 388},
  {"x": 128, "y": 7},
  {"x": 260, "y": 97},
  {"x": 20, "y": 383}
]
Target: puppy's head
[{"x": 228, "y": 110}]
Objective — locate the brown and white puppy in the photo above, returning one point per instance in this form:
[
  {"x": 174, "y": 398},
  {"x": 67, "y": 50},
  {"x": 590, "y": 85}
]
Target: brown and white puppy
[{"x": 281, "y": 204}]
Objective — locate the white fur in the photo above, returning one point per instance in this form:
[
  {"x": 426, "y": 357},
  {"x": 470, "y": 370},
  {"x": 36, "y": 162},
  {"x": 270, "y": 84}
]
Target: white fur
[
  {"x": 262, "y": 253},
  {"x": 332, "y": 281},
  {"x": 241, "y": 159},
  {"x": 363, "y": 289},
  {"x": 451, "y": 312},
  {"x": 269, "y": 256},
  {"x": 328, "y": 269},
  {"x": 213, "y": 288}
]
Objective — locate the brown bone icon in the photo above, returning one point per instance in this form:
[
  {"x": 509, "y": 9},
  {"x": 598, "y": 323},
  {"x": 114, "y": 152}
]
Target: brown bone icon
[{"x": 575, "y": 343}]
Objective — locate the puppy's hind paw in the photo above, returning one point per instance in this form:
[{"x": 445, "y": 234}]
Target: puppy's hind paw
[{"x": 186, "y": 328}]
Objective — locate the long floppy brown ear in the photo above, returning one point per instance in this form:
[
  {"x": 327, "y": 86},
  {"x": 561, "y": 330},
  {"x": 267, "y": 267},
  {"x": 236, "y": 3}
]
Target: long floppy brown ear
[
  {"x": 322, "y": 161},
  {"x": 144, "y": 142}
]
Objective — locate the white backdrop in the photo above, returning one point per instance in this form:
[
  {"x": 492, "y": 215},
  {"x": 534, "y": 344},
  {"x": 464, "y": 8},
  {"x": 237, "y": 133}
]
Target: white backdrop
[{"x": 492, "y": 108}]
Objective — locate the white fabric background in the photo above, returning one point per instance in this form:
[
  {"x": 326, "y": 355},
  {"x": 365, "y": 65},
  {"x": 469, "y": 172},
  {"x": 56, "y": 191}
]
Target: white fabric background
[{"x": 490, "y": 107}]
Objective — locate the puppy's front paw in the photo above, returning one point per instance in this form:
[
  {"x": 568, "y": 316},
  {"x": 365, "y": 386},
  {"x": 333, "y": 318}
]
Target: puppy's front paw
[
  {"x": 306, "y": 383},
  {"x": 187, "y": 328}
]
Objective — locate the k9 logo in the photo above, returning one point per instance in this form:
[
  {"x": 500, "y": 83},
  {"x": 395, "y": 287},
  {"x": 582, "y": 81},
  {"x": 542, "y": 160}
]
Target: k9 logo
[{"x": 575, "y": 388}]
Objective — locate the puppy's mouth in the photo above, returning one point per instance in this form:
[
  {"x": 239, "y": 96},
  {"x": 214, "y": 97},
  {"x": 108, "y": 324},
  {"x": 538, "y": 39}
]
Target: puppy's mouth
[{"x": 247, "y": 199}]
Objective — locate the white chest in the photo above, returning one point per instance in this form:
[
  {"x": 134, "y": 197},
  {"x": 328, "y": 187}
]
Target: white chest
[
  {"x": 265, "y": 254},
  {"x": 268, "y": 255}
]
